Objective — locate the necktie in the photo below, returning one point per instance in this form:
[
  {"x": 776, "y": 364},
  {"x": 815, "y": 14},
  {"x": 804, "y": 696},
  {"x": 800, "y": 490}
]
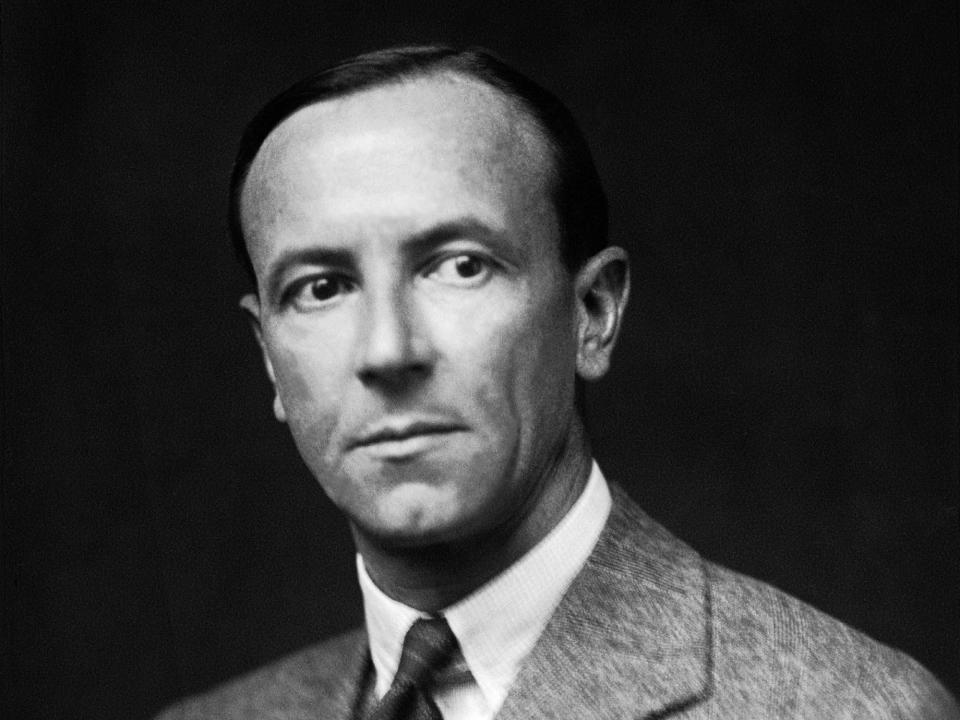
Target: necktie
[{"x": 427, "y": 648}]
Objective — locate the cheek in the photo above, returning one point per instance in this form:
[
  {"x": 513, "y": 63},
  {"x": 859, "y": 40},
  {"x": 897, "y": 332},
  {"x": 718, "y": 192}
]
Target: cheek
[
  {"x": 308, "y": 382},
  {"x": 306, "y": 354},
  {"x": 300, "y": 377},
  {"x": 545, "y": 367},
  {"x": 522, "y": 361}
]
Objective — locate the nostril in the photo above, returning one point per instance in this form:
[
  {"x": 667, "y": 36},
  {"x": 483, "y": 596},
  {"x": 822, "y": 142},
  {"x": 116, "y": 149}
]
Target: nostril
[{"x": 394, "y": 376}]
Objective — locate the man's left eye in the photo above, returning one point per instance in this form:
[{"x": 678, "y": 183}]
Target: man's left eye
[{"x": 462, "y": 270}]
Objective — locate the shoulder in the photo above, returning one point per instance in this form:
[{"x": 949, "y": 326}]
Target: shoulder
[
  {"x": 808, "y": 662},
  {"x": 763, "y": 652},
  {"x": 283, "y": 688}
]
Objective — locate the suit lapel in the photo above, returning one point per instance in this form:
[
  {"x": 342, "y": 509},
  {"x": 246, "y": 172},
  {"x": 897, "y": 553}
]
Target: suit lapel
[
  {"x": 631, "y": 637},
  {"x": 337, "y": 680}
]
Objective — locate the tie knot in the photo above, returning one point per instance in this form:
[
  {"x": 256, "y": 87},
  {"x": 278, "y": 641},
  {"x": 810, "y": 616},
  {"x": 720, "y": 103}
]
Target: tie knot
[{"x": 427, "y": 648}]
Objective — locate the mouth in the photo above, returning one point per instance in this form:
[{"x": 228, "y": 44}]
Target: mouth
[{"x": 405, "y": 438}]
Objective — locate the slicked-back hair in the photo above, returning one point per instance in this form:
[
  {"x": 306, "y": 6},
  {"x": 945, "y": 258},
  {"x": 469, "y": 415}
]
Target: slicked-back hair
[{"x": 577, "y": 193}]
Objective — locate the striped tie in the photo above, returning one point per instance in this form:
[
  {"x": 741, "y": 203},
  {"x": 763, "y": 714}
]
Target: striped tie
[{"x": 428, "y": 647}]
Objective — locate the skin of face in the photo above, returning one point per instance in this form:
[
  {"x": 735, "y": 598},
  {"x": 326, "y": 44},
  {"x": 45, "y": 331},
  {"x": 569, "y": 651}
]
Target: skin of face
[{"x": 420, "y": 330}]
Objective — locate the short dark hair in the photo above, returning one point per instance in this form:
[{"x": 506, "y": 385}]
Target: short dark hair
[{"x": 578, "y": 195}]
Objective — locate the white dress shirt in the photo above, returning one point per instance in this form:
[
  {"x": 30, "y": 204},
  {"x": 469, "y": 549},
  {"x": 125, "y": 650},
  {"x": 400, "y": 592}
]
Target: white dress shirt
[{"x": 499, "y": 623}]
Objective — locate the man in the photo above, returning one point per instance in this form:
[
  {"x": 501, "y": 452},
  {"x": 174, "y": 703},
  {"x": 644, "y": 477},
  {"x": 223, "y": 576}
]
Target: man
[{"x": 427, "y": 236}]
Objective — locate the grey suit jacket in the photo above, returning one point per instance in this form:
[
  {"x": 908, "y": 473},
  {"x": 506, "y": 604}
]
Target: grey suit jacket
[{"x": 647, "y": 630}]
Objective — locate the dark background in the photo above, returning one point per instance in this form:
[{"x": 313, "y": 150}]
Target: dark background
[{"x": 784, "y": 398}]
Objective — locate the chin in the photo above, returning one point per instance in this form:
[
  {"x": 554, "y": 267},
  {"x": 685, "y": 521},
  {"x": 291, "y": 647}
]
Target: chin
[
  {"x": 412, "y": 515},
  {"x": 416, "y": 535}
]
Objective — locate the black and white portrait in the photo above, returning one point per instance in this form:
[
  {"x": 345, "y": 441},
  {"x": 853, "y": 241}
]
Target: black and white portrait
[{"x": 565, "y": 360}]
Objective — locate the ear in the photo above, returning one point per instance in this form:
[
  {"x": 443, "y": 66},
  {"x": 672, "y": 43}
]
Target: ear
[
  {"x": 602, "y": 286},
  {"x": 250, "y": 304}
]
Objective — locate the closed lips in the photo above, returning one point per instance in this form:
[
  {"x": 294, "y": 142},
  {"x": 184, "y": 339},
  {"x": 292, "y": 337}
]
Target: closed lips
[{"x": 402, "y": 433}]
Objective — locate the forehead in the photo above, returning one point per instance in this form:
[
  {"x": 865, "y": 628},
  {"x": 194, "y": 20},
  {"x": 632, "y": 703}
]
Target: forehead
[{"x": 427, "y": 144}]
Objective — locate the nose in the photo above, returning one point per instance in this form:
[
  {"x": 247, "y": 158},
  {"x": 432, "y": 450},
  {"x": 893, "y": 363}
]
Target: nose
[{"x": 392, "y": 348}]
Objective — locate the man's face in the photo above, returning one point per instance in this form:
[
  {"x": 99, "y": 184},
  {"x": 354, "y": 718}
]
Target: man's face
[{"x": 416, "y": 318}]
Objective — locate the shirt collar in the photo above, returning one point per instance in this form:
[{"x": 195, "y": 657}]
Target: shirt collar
[{"x": 499, "y": 623}]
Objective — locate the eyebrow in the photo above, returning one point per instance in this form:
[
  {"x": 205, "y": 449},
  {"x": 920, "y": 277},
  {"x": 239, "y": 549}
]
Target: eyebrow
[
  {"x": 417, "y": 242},
  {"x": 448, "y": 230}
]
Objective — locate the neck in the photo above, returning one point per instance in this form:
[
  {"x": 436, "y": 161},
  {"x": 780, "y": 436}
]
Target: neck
[{"x": 433, "y": 577}]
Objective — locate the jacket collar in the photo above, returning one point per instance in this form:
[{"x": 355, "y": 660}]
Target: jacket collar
[{"x": 631, "y": 637}]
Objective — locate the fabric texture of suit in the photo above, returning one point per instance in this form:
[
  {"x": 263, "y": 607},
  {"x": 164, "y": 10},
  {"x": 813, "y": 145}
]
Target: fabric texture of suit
[{"x": 648, "y": 629}]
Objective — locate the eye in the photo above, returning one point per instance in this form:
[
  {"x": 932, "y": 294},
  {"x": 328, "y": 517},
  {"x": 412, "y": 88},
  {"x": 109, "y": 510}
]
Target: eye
[
  {"x": 463, "y": 269},
  {"x": 318, "y": 291}
]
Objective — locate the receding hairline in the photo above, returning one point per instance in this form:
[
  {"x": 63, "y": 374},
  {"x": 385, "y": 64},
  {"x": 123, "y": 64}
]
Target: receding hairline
[
  {"x": 533, "y": 139},
  {"x": 570, "y": 174},
  {"x": 530, "y": 152}
]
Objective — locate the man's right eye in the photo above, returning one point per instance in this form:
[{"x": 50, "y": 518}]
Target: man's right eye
[{"x": 319, "y": 291}]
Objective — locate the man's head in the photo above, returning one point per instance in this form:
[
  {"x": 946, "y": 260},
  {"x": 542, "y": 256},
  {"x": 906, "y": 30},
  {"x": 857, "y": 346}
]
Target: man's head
[{"x": 420, "y": 320}]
